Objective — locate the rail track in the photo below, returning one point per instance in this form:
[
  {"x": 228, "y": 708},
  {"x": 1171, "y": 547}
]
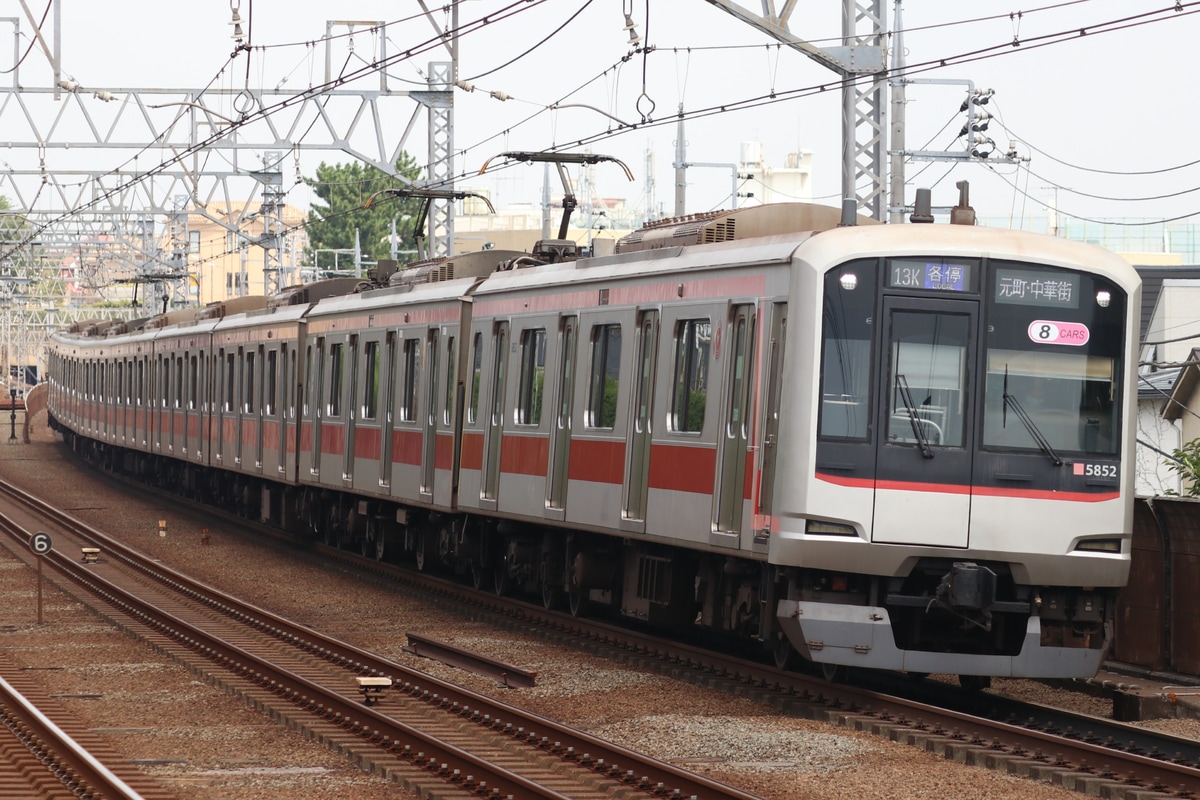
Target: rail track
[
  {"x": 54, "y": 760},
  {"x": 1089, "y": 754},
  {"x": 407, "y": 725}
]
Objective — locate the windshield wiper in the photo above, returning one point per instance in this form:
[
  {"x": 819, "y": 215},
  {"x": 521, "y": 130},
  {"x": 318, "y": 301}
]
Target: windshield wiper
[
  {"x": 918, "y": 428},
  {"x": 1027, "y": 421}
]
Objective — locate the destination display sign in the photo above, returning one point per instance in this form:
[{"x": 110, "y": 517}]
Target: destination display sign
[
  {"x": 1035, "y": 288},
  {"x": 938, "y": 276}
]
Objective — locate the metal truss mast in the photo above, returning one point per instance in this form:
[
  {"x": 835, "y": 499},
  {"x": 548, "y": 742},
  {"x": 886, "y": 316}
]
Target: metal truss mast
[{"x": 860, "y": 63}]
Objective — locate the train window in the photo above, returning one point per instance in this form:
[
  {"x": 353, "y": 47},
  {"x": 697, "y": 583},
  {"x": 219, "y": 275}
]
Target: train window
[
  {"x": 248, "y": 384},
  {"x": 290, "y": 382},
  {"x": 532, "y": 378},
  {"x": 689, "y": 391},
  {"x": 451, "y": 382},
  {"x": 271, "y": 383},
  {"x": 230, "y": 374},
  {"x": 371, "y": 395},
  {"x": 928, "y": 379},
  {"x": 1053, "y": 360},
  {"x": 846, "y": 335},
  {"x": 412, "y": 375},
  {"x": 309, "y": 375},
  {"x": 605, "y": 376},
  {"x": 193, "y": 382},
  {"x": 334, "y": 406},
  {"x": 165, "y": 382},
  {"x": 476, "y": 374},
  {"x": 121, "y": 381}
]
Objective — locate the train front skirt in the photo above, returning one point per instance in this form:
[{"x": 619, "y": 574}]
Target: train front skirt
[{"x": 861, "y": 636}]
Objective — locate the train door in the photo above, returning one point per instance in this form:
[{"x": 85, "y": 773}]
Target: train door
[
  {"x": 429, "y": 434},
  {"x": 262, "y": 381},
  {"x": 633, "y": 511},
  {"x": 315, "y": 389},
  {"x": 495, "y": 423},
  {"x": 270, "y": 412},
  {"x": 923, "y": 457},
  {"x": 560, "y": 434},
  {"x": 770, "y": 441},
  {"x": 352, "y": 412},
  {"x": 735, "y": 428},
  {"x": 389, "y": 411}
]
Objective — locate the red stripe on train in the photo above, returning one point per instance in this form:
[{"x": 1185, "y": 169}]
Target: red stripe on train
[{"x": 982, "y": 491}]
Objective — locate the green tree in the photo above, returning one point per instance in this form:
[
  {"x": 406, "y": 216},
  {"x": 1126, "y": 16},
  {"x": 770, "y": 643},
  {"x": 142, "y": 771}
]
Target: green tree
[
  {"x": 1186, "y": 462},
  {"x": 345, "y": 190}
]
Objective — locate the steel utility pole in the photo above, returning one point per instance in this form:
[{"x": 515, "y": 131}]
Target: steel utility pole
[{"x": 859, "y": 62}]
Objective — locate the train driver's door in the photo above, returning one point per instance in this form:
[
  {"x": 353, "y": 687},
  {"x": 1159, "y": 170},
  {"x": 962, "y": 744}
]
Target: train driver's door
[{"x": 926, "y": 421}]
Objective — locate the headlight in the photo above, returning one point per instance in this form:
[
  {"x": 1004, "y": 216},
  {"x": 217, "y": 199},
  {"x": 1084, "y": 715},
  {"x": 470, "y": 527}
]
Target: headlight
[
  {"x": 828, "y": 528},
  {"x": 1099, "y": 546}
]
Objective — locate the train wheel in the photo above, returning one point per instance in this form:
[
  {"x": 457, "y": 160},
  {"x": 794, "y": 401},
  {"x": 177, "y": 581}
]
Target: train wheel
[
  {"x": 834, "y": 673},
  {"x": 551, "y": 593},
  {"x": 500, "y": 577},
  {"x": 974, "y": 683},
  {"x": 783, "y": 652},
  {"x": 373, "y": 542},
  {"x": 550, "y": 596},
  {"x": 577, "y": 601},
  {"x": 479, "y": 575}
]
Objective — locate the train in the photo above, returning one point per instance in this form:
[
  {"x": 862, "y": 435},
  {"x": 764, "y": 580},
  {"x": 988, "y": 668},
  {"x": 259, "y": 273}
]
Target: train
[{"x": 881, "y": 446}]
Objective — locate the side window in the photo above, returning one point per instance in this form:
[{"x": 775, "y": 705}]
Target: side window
[
  {"x": 412, "y": 375},
  {"x": 193, "y": 383},
  {"x": 230, "y": 375},
  {"x": 271, "y": 383},
  {"x": 451, "y": 382},
  {"x": 532, "y": 377},
  {"x": 248, "y": 385},
  {"x": 605, "y": 376},
  {"x": 335, "y": 380},
  {"x": 476, "y": 374},
  {"x": 689, "y": 387},
  {"x": 370, "y": 405}
]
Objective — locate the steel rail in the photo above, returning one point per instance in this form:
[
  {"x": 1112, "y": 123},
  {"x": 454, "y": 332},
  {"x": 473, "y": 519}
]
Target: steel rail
[
  {"x": 62, "y": 755},
  {"x": 605, "y": 758}
]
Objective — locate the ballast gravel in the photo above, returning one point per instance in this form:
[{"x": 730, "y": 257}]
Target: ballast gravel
[{"x": 202, "y": 743}]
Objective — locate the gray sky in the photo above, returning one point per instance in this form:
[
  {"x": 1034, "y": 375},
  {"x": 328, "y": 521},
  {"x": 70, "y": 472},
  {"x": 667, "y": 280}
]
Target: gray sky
[{"x": 1117, "y": 101}]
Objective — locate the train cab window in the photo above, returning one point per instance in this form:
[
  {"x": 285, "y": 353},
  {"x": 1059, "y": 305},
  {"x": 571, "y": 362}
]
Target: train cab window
[
  {"x": 689, "y": 389},
  {"x": 532, "y": 377},
  {"x": 334, "y": 406},
  {"x": 846, "y": 334},
  {"x": 476, "y": 374},
  {"x": 1054, "y": 361},
  {"x": 411, "y": 373},
  {"x": 605, "y": 377},
  {"x": 927, "y": 382},
  {"x": 370, "y": 405}
]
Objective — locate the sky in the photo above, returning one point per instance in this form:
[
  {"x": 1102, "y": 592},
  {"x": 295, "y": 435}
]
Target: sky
[{"x": 1089, "y": 92}]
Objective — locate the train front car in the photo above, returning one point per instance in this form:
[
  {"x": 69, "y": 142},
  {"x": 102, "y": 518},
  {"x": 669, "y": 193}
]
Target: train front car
[{"x": 967, "y": 505}]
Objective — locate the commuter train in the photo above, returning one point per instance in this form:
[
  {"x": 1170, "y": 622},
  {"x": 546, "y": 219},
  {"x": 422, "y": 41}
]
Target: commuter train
[{"x": 902, "y": 447}]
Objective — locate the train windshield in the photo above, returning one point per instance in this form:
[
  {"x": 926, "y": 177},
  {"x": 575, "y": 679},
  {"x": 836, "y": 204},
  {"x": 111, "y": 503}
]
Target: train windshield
[{"x": 1053, "y": 366}]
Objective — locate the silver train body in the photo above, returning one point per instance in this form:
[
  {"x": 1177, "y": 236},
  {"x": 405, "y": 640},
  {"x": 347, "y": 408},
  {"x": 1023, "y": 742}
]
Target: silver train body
[{"x": 900, "y": 447}]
